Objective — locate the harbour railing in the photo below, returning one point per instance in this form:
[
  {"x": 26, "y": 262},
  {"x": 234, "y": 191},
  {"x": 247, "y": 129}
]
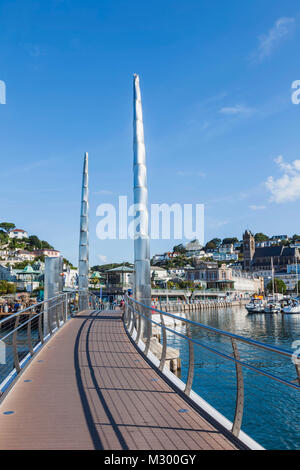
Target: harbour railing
[
  {"x": 245, "y": 354},
  {"x": 23, "y": 333}
]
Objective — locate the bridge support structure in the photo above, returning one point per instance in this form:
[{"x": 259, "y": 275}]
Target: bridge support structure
[
  {"x": 83, "y": 264},
  {"x": 142, "y": 289}
]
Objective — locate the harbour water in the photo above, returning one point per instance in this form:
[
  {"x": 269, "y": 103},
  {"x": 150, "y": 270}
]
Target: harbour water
[{"x": 271, "y": 410}]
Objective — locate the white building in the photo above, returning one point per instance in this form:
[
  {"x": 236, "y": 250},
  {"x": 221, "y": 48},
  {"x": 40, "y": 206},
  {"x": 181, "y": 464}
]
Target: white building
[
  {"x": 291, "y": 269},
  {"x": 226, "y": 248},
  {"x": 177, "y": 272},
  {"x": 70, "y": 277},
  {"x": 158, "y": 258},
  {"x": 47, "y": 252},
  {"x": 225, "y": 256},
  {"x": 159, "y": 274},
  {"x": 18, "y": 233},
  {"x": 23, "y": 255},
  {"x": 244, "y": 283}
]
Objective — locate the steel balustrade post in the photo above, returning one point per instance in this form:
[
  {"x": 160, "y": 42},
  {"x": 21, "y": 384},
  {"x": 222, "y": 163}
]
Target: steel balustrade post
[
  {"x": 148, "y": 328},
  {"x": 131, "y": 318},
  {"x": 49, "y": 310},
  {"x": 57, "y": 305},
  {"x": 14, "y": 344},
  {"x": 134, "y": 322},
  {"x": 164, "y": 345},
  {"x": 190, "y": 377},
  {"x": 40, "y": 326},
  {"x": 29, "y": 341},
  {"x": 239, "y": 407},
  {"x": 66, "y": 308},
  {"x": 139, "y": 325},
  {"x": 297, "y": 366}
]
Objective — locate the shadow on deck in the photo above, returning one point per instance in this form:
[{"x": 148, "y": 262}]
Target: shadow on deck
[{"x": 89, "y": 388}]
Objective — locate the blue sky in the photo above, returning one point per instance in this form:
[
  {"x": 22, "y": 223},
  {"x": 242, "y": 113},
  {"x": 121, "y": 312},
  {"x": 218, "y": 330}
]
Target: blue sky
[{"x": 220, "y": 126}]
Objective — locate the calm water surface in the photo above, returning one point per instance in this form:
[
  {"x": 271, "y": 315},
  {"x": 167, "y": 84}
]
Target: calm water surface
[{"x": 272, "y": 410}]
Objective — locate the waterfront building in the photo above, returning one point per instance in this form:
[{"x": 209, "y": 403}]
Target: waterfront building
[
  {"x": 24, "y": 255},
  {"x": 47, "y": 252},
  {"x": 282, "y": 256},
  {"x": 225, "y": 256},
  {"x": 293, "y": 268},
  {"x": 70, "y": 277},
  {"x": 6, "y": 274},
  {"x": 121, "y": 278},
  {"x": 288, "y": 279},
  {"x": 28, "y": 278},
  {"x": 227, "y": 248},
  {"x": 248, "y": 249},
  {"x": 280, "y": 238},
  {"x": 267, "y": 243},
  {"x": 159, "y": 274},
  {"x": 158, "y": 258},
  {"x": 18, "y": 233},
  {"x": 225, "y": 278},
  {"x": 193, "y": 248},
  {"x": 177, "y": 272}
]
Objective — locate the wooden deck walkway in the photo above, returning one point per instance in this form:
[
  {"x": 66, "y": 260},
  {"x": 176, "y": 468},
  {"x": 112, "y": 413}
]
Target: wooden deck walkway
[{"x": 89, "y": 388}]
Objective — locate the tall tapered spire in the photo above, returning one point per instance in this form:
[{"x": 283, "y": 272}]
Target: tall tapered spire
[
  {"x": 140, "y": 192},
  {"x": 83, "y": 281}
]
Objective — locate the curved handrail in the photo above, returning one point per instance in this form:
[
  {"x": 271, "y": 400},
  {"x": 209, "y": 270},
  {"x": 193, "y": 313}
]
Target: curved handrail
[
  {"x": 259, "y": 344},
  {"x": 136, "y": 310},
  {"x": 59, "y": 306}
]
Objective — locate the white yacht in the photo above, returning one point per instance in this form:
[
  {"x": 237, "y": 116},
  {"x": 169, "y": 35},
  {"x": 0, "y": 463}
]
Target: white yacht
[
  {"x": 292, "y": 307},
  {"x": 272, "y": 306},
  {"x": 255, "y": 306}
]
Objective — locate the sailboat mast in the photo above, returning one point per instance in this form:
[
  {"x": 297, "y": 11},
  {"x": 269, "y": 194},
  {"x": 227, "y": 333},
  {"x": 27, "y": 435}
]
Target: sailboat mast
[
  {"x": 297, "y": 287},
  {"x": 272, "y": 267}
]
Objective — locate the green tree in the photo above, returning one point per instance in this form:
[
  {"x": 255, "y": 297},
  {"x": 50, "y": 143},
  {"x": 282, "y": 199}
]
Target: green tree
[
  {"x": 229, "y": 241},
  {"x": 179, "y": 249},
  {"x": 210, "y": 245},
  {"x": 3, "y": 237},
  {"x": 7, "y": 287},
  {"x": 34, "y": 242},
  {"x": 279, "y": 286},
  {"x": 284, "y": 243},
  {"x": 46, "y": 245},
  {"x": 7, "y": 226},
  {"x": 261, "y": 237}
]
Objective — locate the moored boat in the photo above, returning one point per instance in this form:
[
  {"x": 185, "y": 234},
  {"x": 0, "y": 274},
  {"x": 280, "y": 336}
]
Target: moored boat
[
  {"x": 272, "y": 306},
  {"x": 293, "y": 306}
]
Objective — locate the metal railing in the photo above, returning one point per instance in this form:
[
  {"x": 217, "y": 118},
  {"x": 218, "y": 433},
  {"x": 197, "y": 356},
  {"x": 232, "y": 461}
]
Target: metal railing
[
  {"x": 22, "y": 333},
  {"x": 137, "y": 315}
]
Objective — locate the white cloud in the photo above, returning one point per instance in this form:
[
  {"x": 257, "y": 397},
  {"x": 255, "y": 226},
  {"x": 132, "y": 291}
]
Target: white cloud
[
  {"x": 103, "y": 191},
  {"x": 191, "y": 173},
  {"x": 237, "y": 109},
  {"x": 102, "y": 258},
  {"x": 278, "y": 32},
  {"x": 253, "y": 207},
  {"x": 286, "y": 188}
]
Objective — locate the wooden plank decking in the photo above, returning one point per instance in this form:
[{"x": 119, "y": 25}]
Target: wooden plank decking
[{"x": 89, "y": 388}]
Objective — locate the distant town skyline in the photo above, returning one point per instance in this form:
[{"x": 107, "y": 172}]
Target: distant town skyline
[{"x": 221, "y": 128}]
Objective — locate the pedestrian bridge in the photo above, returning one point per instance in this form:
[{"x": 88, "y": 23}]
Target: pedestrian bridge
[
  {"x": 76, "y": 374},
  {"x": 86, "y": 380},
  {"x": 88, "y": 387}
]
